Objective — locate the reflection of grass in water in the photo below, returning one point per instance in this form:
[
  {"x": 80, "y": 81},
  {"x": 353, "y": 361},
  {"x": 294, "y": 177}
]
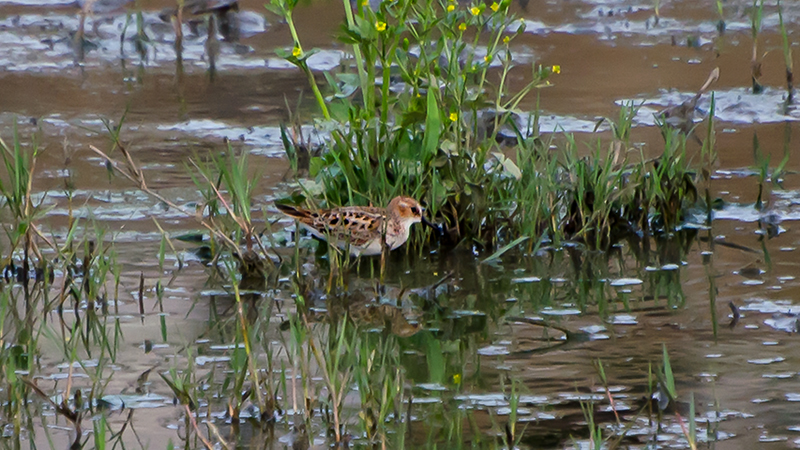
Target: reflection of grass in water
[
  {"x": 662, "y": 394},
  {"x": 322, "y": 361}
]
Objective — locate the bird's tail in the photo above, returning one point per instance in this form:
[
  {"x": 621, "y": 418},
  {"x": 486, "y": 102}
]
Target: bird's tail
[{"x": 293, "y": 211}]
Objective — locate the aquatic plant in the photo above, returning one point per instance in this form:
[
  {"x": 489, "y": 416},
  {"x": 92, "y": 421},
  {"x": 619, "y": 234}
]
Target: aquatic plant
[
  {"x": 424, "y": 116},
  {"x": 231, "y": 215},
  {"x": 762, "y": 170},
  {"x": 226, "y": 217},
  {"x": 427, "y": 132},
  {"x": 23, "y": 233}
]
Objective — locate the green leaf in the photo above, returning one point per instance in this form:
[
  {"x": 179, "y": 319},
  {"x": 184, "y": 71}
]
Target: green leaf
[
  {"x": 348, "y": 84},
  {"x": 433, "y": 122},
  {"x": 509, "y": 168},
  {"x": 315, "y": 166},
  {"x": 496, "y": 255},
  {"x": 669, "y": 378},
  {"x": 435, "y": 358}
]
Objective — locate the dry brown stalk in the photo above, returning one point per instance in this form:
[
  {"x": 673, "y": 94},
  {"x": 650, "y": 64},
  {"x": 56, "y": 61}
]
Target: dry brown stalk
[
  {"x": 135, "y": 175},
  {"x": 205, "y": 441}
]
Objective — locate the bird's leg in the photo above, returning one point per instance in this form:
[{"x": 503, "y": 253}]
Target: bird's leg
[{"x": 384, "y": 250}]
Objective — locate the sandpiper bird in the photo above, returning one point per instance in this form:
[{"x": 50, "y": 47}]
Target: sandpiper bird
[{"x": 363, "y": 228}]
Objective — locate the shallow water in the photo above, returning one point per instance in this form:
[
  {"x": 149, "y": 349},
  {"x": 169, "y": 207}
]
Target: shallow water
[{"x": 621, "y": 311}]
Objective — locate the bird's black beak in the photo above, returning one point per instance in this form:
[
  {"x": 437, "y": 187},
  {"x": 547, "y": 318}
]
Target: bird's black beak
[{"x": 437, "y": 227}]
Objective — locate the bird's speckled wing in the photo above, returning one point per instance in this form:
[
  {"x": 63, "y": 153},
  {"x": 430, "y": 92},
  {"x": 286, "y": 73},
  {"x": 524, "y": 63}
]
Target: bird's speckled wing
[{"x": 357, "y": 225}]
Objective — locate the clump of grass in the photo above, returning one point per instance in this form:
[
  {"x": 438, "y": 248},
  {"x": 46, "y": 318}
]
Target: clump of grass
[
  {"x": 226, "y": 185},
  {"x": 231, "y": 215},
  {"x": 670, "y": 185},
  {"x": 431, "y": 121},
  {"x": 21, "y": 228},
  {"x": 421, "y": 128},
  {"x": 662, "y": 396}
]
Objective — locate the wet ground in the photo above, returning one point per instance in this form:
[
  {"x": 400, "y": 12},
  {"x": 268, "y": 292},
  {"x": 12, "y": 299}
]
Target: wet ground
[{"x": 743, "y": 374}]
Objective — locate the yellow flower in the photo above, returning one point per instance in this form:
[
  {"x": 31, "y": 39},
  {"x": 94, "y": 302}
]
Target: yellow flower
[
  {"x": 506, "y": 40},
  {"x": 556, "y": 69},
  {"x": 457, "y": 378},
  {"x": 495, "y": 6},
  {"x": 487, "y": 58},
  {"x": 365, "y": 3},
  {"x": 380, "y": 26},
  {"x": 462, "y": 27},
  {"x": 453, "y": 117},
  {"x": 475, "y": 10},
  {"x": 451, "y": 8},
  {"x": 296, "y": 52}
]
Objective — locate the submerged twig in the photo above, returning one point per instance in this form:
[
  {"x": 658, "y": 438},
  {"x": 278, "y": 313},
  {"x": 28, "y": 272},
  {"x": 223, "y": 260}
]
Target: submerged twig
[
  {"x": 215, "y": 431},
  {"x": 736, "y": 315},
  {"x": 205, "y": 441},
  {"x": 73, "y": 416}
]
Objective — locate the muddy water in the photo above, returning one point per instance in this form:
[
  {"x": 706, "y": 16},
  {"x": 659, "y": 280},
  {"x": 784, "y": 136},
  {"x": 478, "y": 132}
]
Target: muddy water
[{"x": 744, "y": 377}]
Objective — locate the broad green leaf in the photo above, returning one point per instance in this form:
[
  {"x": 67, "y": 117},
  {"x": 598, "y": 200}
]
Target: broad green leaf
[{"x": 433, "y": 122}]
